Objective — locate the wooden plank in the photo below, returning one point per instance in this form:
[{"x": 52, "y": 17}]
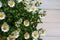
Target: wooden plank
[
  {"x": 51, "y": 4},
  {"x": 52, "y": 16},
  {"x": 52, "y": 25},
  {"x": 51, "y": 38}
]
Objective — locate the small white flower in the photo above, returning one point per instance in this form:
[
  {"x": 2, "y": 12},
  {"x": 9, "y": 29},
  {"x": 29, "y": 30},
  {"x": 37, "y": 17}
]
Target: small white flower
[
  {"x": 37, "y": 3},
  {"x": 17, "y": 24},
  {"x": 42, "y": 17},
  {"x": 2, "y": 15},
  {"x": 0, "y": 4},
  {"x": 32, "y": 3},
  {"x": 11, "y": 3},
  {"x": 26, "y": 23},
  {"x": 42, "y": 32},
  {"x": 26, "y": 35},
  {"x": 33, "y": 8},
  {"x": 19, "y": 1},
  {"x": 28, "y": 8},
  {"x": 10, "y": 38},
  {"x": 35, "y": 34},
  {"x": 27, "y": 1},
  {"x": 18, "y": 30},
  {"x": 5, "y": 27},
  {"x": 15, "y": 34},
  {"x": 20, "y": 20},
  {"x": 41, "y": 11}
]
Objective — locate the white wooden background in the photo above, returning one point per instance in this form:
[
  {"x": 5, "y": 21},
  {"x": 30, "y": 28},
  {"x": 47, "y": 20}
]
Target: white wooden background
[{"x": 52, "y": 20}]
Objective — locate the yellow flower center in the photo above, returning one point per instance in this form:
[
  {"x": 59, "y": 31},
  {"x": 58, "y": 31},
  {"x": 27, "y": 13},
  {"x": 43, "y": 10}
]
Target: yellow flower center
[
  {"x": 0, "y": 38},
  {"x": 28, "y": 8},
  {"x": 4, "y": 27},
  {"x": 33, "y": 8},
  {"x": 35, "y": 34},
  {"x": 1, "y": 15},
  {"x": 42, "y": 32},
  {"x": 18, "y": 30},
  {"x": 10, "y": 38},
  {"x": 26, "y": 34},
  {"x": 12, "y": 34},
  {"x": 26, "y": 22},
  {"x": 27, "y": 1},
  {"x": 11, "y": 3}
]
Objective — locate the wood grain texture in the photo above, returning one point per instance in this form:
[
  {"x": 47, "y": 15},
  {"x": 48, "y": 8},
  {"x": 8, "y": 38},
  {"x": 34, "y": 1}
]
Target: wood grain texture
[
  {"x": 51, "y": 4},
  {"x": 52, "y": 25},
  {"x": 51, "y": 38}
]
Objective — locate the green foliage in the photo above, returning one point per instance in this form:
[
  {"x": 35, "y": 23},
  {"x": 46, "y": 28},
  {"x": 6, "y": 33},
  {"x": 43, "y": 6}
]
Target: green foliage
[{"x": 13, "y": 14}]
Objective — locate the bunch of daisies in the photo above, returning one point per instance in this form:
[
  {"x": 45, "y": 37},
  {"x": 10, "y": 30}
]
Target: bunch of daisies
[{"x": 19, "y": 19}]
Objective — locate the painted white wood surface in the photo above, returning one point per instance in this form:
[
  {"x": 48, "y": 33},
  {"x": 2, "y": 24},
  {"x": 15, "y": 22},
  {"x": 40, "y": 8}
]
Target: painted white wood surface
[
  {"x": 51, "y": 4},
  {"x": 52, "y": 25},
  {"x": 52, "y": 19}
]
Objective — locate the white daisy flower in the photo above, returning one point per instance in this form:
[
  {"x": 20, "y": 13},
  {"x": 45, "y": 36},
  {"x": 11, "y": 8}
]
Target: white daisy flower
[
  {"x": 33, "y": 8},
  {"x": 42, "y": 32},
  {"x": 35, "y": 34},
  {"x": 28, "y": 8},
  {"x": 0, "y": 4},
  {"x": 41, "y": 11},
  {"x": 32, "y": 3},
  {"x": 37, "y": 3},
  {"x": 43, "y": 19},
  {"x": 42, "y": 16},
  {"x": 26, "y": 35},
  {"x": 27, "y": 1},
  {"x": 17, "y": 24},
  {"x": 11, "y": 3},
  {"x": 19, "y": 1},
  {"x": 2, "y": 15},
  {"x": 10, "y": 38},
  {"x": 18, "y": 30},
  {"x": 15, "y": 34},
  {"x": 26, "y": 23},
  {"x": 5, "y": 27},
  {"x": 20, "y": 20}
]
